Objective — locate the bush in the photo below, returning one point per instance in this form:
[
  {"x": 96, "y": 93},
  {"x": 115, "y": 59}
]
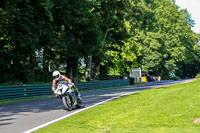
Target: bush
[
  {"x": 197, "y": 76},
  {"x": 43, "y": 77},
  {"x": 11, "y": 83}
]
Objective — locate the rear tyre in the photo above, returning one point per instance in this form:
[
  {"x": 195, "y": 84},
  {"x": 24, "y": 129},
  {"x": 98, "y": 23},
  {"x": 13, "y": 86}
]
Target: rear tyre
[{"x": 67, "y": 102}]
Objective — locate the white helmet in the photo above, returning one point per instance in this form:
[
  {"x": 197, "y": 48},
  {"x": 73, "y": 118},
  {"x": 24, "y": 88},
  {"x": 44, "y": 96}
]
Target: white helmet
[{"x": 56, "y": 75}]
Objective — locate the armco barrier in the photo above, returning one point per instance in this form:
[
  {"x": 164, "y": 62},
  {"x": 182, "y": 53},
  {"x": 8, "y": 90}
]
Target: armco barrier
[{"x": 9, "y": 93}]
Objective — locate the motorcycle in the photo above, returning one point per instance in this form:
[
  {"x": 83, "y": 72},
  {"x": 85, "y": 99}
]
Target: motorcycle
[{"x": 68, "y": 96}]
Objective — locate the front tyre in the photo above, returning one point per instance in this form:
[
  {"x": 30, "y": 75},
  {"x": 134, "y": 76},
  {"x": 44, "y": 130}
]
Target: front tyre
[{"x": 67, "y": 102}]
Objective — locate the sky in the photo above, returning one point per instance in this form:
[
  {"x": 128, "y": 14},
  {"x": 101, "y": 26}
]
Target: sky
[{"x": 193, "y": 7}]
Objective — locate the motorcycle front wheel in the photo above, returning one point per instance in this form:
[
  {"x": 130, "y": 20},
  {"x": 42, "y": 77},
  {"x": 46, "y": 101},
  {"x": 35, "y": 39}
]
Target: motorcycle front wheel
[{"x": 67, "y": 102}]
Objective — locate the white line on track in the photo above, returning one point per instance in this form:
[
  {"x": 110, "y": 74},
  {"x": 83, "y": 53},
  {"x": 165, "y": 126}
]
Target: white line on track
[{"x": 63, "y": 117}]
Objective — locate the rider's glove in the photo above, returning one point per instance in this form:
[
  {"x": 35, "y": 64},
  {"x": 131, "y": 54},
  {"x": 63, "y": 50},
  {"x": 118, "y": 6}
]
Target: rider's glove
[{"x": 71, "y": 84}]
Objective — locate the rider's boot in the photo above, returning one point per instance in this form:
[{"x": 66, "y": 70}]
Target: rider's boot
[{"x": 78, "y": 94}]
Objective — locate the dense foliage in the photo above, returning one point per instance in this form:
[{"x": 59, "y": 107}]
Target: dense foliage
[{"x": 85, "y": 38}]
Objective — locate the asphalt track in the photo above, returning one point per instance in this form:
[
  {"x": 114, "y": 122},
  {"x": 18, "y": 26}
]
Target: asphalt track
[{"x": 27, "y": 116}]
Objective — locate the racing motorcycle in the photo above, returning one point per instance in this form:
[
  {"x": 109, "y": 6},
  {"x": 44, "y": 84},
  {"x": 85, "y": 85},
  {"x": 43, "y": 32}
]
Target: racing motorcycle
[{"x": 68, "y": 96}]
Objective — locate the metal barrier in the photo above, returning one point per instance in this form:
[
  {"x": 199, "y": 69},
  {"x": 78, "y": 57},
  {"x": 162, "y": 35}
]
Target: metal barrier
[{"x": 9, "y": 93}]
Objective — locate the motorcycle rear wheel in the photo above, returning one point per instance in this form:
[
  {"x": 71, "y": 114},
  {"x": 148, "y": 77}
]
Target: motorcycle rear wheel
[{"x": 67, "y": 102}]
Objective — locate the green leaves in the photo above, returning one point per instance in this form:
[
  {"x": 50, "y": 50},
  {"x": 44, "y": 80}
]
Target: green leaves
[{"x": 117, "y": 35}]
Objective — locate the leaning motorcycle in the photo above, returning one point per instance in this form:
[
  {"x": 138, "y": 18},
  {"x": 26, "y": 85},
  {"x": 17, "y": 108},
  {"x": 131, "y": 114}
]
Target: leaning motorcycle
[{"x": 68, "y": 96}]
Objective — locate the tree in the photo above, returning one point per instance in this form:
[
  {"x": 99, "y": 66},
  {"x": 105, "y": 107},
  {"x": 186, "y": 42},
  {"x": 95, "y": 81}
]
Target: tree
[
  {"x": 77, "y": 31},
  {"x": 174, "y": 38},
  {"x": 21, "y": 32}
]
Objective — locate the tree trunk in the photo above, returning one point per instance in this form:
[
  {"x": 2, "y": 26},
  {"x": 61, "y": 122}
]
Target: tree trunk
[
  {"x": 69, "y": 70},
  {"x": 72, "y": 69},
  {"x": 96, "y": 71},
  {"x": 88, "y": 69},
  {"x": 75, "y": 72}
]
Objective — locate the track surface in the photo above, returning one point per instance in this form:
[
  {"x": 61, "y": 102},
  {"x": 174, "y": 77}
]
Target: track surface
[{"x": 22, "y": 116}]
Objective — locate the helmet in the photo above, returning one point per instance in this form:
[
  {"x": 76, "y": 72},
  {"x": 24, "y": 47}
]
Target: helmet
[{"x": 56, "y": 75}]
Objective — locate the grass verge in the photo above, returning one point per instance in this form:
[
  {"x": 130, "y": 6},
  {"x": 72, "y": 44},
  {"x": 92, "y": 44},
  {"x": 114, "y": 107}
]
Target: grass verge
[{"x": 163, "y": 110}]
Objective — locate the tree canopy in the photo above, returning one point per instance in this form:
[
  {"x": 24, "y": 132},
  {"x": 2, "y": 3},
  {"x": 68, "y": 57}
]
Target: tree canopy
[{"x": 103, "y": 37}]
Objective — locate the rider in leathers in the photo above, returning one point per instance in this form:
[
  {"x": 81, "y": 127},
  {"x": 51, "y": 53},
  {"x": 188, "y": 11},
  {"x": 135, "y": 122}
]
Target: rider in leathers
[{"x": 58, "y": 77}]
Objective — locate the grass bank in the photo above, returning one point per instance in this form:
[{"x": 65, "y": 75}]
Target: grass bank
[{"x": 164, "y": 110}]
